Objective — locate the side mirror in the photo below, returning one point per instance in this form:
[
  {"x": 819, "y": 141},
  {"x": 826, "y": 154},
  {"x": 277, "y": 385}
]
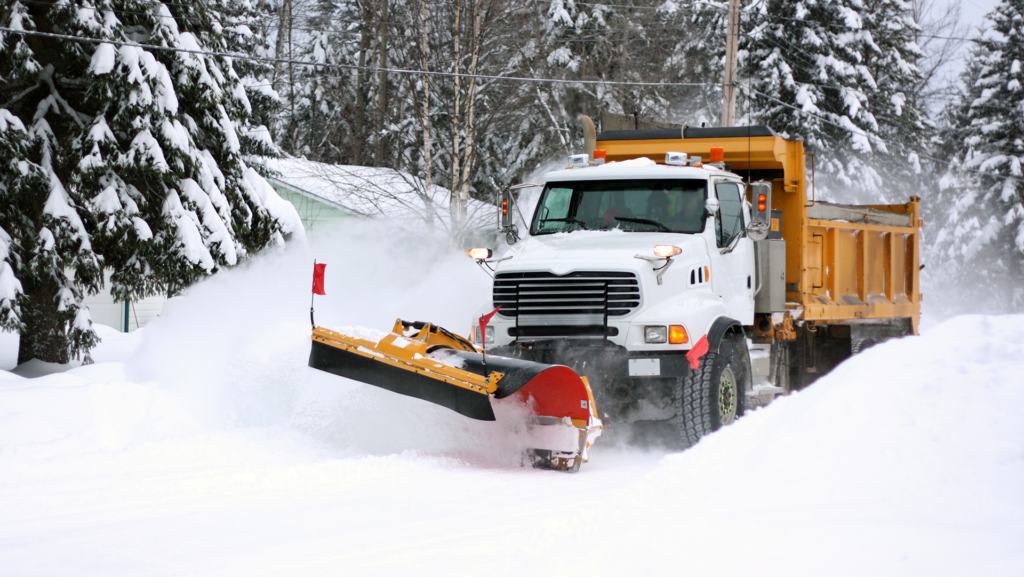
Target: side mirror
[
  {"x": 506, "y": 204},
  {"x": 761, "y": 210},
  {"x": 711, "y": 206}
]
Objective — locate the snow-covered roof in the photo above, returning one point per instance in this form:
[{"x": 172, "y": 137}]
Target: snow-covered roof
[
  {"x": 634, "y": 168},
  {"x": 374, "y": 192}
]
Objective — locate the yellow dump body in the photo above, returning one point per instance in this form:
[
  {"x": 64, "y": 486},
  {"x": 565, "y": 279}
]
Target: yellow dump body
[{"x": 843, "y": 263}]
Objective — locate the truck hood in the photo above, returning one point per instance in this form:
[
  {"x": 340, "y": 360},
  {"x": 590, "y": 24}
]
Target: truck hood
[{"x": 562, "y": 253}]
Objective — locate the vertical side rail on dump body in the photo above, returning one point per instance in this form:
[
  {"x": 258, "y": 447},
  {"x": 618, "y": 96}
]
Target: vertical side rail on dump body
[{"x": 793, "y": 203}]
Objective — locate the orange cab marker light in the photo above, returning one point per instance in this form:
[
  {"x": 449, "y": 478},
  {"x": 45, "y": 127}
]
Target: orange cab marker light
[
  {"x": 677, "y": 335},
  {"x": 717, "y": 154}
]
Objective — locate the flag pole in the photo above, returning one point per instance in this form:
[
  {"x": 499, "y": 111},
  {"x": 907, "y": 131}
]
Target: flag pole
[
  {"x": 484, "y": 319},
  {"x": 312, "y": 296},
  {"x": 483, "y": 347}
]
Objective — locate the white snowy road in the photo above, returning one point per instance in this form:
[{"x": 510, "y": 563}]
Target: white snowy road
[
  {"x": 274, "y": 506},
  {"x": 204, "y": 446}
]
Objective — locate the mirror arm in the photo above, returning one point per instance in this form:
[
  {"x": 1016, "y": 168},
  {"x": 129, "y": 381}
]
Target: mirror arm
[
  {"x": 485, "y": 264},
  {"x": 661, "y": 270}
]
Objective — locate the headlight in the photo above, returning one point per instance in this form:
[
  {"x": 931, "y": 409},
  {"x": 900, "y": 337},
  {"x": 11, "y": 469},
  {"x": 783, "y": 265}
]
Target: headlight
[
  {"x": 655, "y": 334},
  {"x": 489, "y": 333}
]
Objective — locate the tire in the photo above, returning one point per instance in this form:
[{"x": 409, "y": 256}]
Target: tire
[
  {"x": 859, "y": 345},
  {"x": 714, "y": 395}
]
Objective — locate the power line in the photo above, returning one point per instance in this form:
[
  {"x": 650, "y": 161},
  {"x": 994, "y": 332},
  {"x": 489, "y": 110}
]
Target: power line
[
  {"x": 340, "y": 21},
  {"x": 747, "y": 15},
  {"x": 861, "y": 132},
  {"x": 371, "y": 69}
]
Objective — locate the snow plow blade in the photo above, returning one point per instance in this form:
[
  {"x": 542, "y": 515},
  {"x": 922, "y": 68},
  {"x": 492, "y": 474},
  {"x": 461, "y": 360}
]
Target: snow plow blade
[{"x": 427, "y": 362}]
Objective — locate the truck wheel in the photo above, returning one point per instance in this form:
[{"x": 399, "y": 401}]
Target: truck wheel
[
  {"x": 859, "y": 345},
  {"x": 714, "y": 394}
]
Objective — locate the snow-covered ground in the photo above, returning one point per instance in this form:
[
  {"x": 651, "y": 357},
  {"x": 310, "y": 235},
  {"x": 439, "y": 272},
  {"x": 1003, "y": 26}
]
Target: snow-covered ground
[{"x": 203, "y": 445}]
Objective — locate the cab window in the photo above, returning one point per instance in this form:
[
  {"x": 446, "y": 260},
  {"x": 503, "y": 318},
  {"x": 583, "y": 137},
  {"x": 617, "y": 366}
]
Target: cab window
[{"x": 648, "y": 205}]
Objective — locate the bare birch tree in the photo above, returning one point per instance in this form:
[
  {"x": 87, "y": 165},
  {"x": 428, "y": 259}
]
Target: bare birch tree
[
  {"x": 382, "y": 86},
  {"x": 427, "y": 195}
]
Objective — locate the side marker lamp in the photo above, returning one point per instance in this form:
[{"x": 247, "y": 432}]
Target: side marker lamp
[
  {"x": 666, "y": 250},
  {"x": 479, "y": 253},
  {"x": 677, "y": 335}
]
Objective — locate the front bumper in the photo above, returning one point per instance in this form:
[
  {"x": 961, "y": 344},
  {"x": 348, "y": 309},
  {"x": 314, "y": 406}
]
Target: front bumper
[{"x": 603, "y": 359}]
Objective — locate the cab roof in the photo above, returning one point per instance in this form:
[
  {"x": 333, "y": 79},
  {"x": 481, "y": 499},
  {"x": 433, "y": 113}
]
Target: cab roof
[{"x": 637, "y": 168}]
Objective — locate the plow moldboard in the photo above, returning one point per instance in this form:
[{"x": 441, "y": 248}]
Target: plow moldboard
[{"x": 371, "y": 371}]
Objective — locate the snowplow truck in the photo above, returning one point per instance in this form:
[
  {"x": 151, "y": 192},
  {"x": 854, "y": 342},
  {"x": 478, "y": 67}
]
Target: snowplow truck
[{"x": 690, "y": 274}]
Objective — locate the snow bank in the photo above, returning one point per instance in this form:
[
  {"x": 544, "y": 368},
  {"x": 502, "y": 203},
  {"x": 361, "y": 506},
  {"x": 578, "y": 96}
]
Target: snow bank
[{"x": 906, "y": 460}]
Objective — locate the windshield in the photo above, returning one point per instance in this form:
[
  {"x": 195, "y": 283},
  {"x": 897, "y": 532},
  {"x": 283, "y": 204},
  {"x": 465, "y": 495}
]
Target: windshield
[{"x": 633, "y": 205}]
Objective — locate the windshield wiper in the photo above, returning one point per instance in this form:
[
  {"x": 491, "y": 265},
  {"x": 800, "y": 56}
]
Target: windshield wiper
[
  {"x": 572, "y": 220},
  {"x": 645, "y": 221}
]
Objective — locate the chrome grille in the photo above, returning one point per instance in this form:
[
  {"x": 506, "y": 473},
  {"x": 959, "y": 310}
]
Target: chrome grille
[{"x": 581, "y": 298}]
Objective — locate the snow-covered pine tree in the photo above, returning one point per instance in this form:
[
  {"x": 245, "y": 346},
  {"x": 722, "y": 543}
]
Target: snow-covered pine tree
[
  {"x": 806, "y": 61},
  {"x": 952, "y": 210},
  {"x": 890, "y": 56},
  {"x": 322, "y": 126},
  {"x": 699, "y": 57},
  {"x": 120, "y": 158},
  {"x": 612, "y": 41},
  {"x": 245, "y": 30},
  {"x": 983, "y": 235}
]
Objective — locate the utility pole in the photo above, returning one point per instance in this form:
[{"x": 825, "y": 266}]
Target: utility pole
[{"x": 729, "y": 89}]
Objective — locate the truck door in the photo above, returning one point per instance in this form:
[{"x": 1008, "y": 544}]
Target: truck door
[{"x": 732, "y": 271}]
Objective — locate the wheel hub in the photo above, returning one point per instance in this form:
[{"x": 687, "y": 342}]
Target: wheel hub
[{"x": 727, "y": 396}]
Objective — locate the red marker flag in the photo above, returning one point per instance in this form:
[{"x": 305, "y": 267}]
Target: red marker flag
[
  {"x": 697, "y": 352},
  {"x": 318, "y": 279},
  {"x": 483, "y": 326}
]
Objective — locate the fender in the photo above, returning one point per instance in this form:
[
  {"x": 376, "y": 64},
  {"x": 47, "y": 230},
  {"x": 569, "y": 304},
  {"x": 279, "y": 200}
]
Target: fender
[
  {"x": 717, "y": 332},
  {"x": 718, "y": 329}
]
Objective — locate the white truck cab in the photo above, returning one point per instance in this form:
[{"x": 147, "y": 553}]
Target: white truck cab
[
  {"x": 589, "y": 268},
  {"x": 627, "y": 267}
]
